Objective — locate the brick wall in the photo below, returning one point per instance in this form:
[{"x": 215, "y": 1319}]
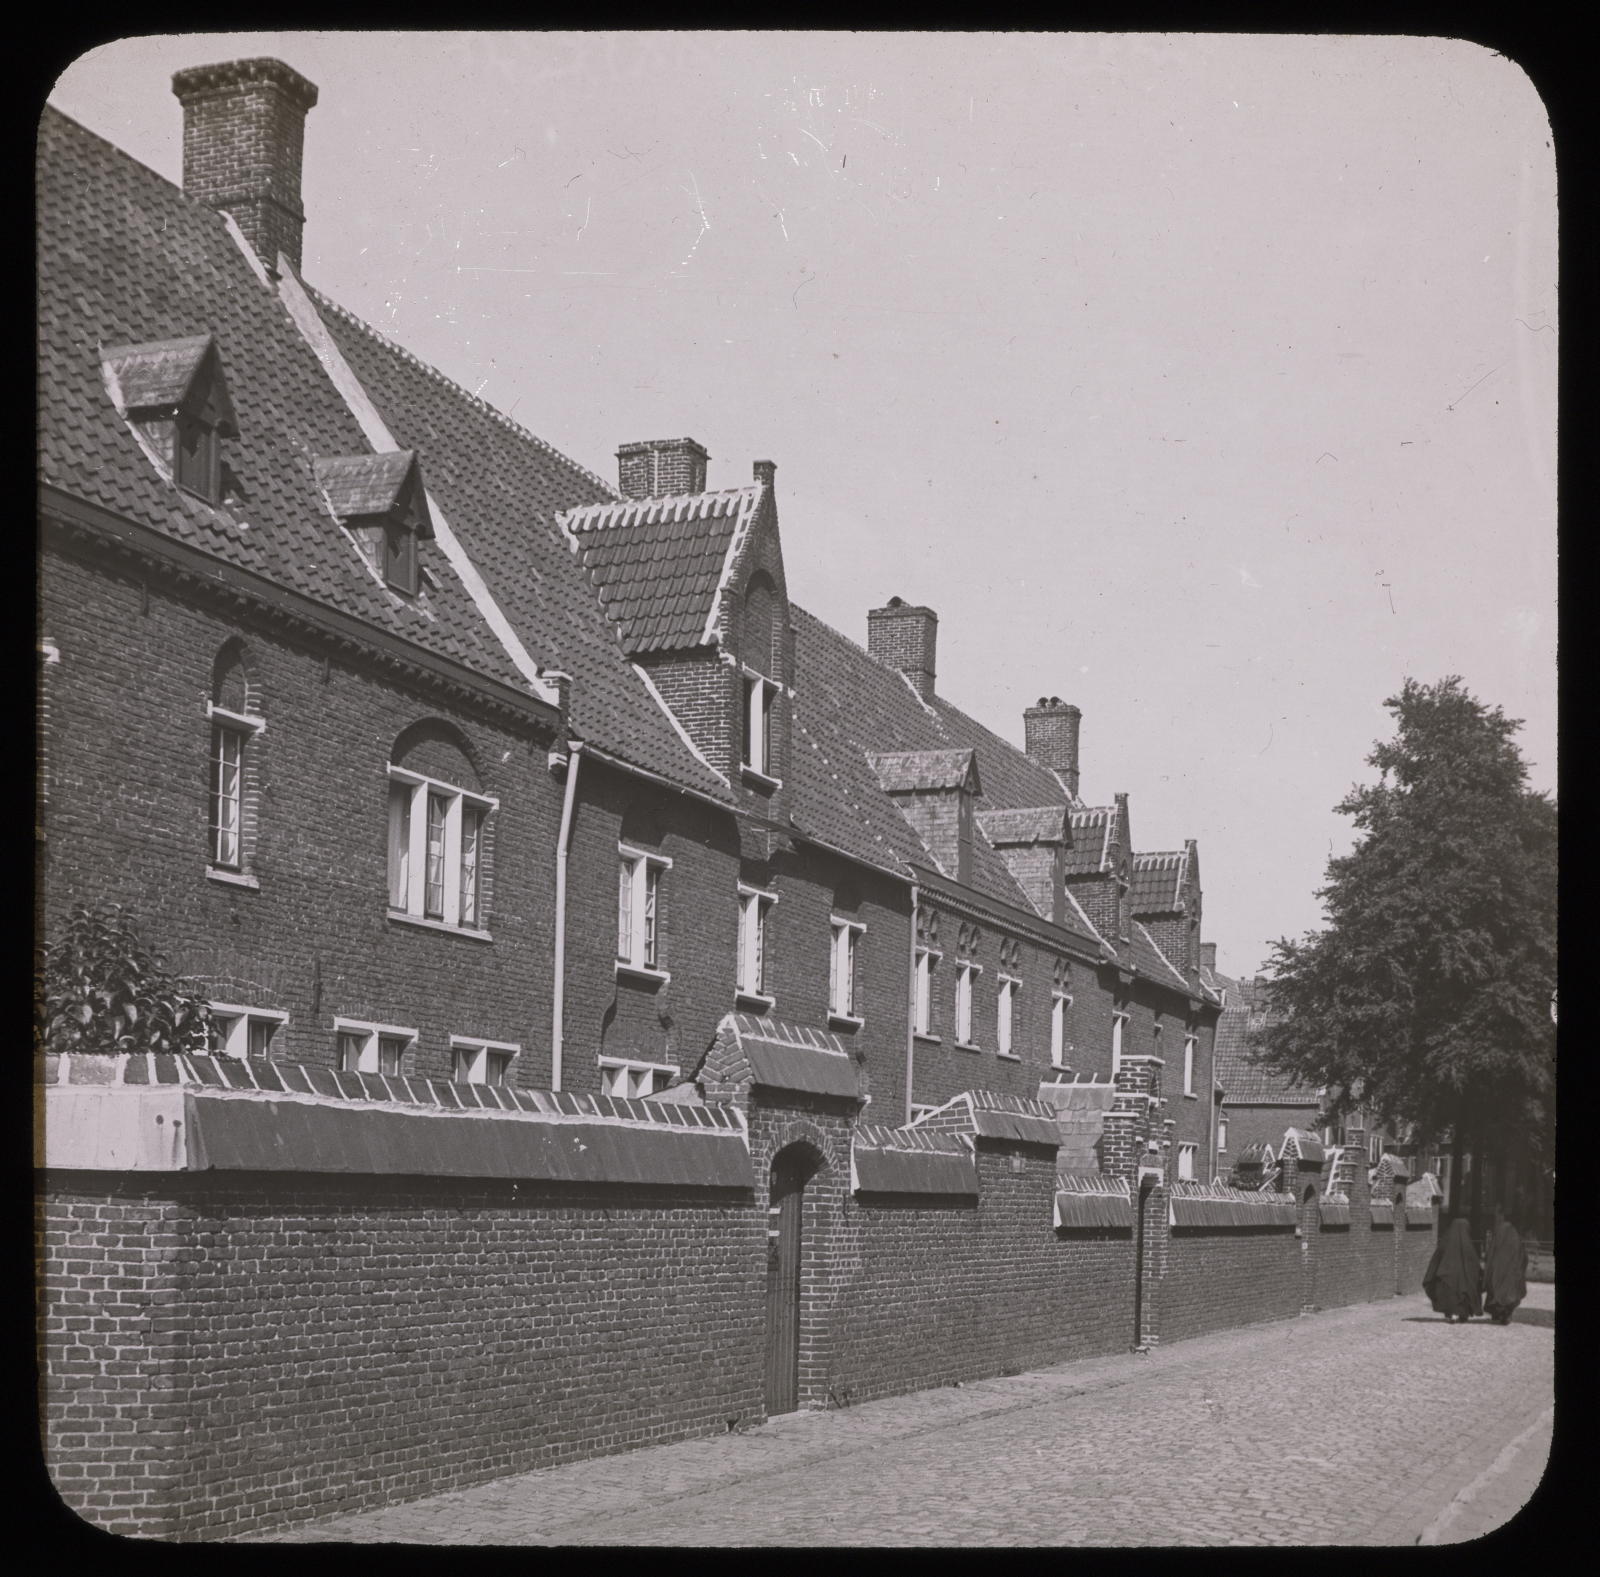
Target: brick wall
[
  {"x": 235, "y": 1353},
  {"x": 128, "y": 815}
]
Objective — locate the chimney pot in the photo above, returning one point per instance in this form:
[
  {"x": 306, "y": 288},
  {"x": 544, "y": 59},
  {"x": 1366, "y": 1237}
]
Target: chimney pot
[
  {"x": 661, "y": 468},
  {"x": 906, "y": 638},
  {"x": 764, "y": 471},
  {"x": 244, "y": 125},
  {"x": 1051, "y": 731}
]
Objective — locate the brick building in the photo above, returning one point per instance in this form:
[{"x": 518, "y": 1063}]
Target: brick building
[{"x": 585, "y": 924}]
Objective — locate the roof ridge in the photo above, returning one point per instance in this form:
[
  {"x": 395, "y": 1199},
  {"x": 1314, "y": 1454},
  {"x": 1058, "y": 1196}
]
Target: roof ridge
[
  {"x": 663, "y": 500},
  {"x": 476, "y": 401}
]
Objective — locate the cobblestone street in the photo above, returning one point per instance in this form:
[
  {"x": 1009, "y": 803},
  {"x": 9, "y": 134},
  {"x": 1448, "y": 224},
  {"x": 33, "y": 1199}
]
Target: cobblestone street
[{"x": 1197, "y": 1443}]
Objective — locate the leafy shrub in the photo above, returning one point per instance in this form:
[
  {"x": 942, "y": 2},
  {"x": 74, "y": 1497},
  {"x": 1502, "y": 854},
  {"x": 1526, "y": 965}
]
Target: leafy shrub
[{"x": 100, "y": 991}]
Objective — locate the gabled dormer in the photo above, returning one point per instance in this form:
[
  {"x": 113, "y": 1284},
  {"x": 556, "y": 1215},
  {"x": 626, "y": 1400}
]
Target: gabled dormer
[
  {"x": 175, "y": 396},
  {"x": 693, "y": 582},
  {"x": 1033, "y": 843},
  {"x": 934, "y": 790},
  {"x": 1166, "y": 899},
  {"x": 380, "y": 500},
  {"x": 1099, "y": 867}
]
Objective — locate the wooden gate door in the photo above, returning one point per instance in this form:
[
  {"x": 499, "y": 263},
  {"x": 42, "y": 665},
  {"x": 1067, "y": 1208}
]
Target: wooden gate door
[{"x": 786, "y": 1202}]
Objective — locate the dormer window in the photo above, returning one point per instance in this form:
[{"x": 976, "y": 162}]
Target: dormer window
[
  {"x": 380, "y": 500},
  {"x": 759, "y": 693},
  {"x": 176, "y": 397}
]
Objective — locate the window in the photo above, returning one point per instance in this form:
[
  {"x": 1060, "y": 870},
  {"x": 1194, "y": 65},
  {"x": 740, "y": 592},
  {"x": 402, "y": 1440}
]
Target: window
[
  {"x": 631, "y": 1080},
  {"x": 436, "y": 851},
  {"x": 1374, "y": 1148},
  {"x": 372, "y": 1048},
  {"x": 1188, "y": 1064},
  {"x": 638, "y": 909},
  {"x": 1117, "y": 1022},
  {"x": 481, "y": 1061},
  {"x": 1004, "y": 1005},
  {"x": 1060, "y": 1007},
  {"x": 965, "y": 975},
  {"x": 756, "y": 753},
  {"x": 926, "y": 1018},
  {"x": 400, "y": 557},
  {"x": 1222, "y": 1130},
  {"x": 843, "y": 998},
  {"x": 752, "y": 963},
  {"x": 197, "y": 458},
  {"x": 1186, "y": 1155},
  {"x": 244, "y": 1032},
  {"x": 231, "y": 733}
]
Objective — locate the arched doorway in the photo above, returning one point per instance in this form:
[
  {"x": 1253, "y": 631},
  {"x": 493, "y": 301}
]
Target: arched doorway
[
  {"x": 792, "y": 1169},
  {"x": 1310, "y": 1233}
]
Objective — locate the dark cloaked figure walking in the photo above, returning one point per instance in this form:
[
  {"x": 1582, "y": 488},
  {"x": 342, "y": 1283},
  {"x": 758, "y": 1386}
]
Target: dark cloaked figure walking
[
  {"x": 1505, "y": 1270},
  {"x": 1454, "y": 1275}
]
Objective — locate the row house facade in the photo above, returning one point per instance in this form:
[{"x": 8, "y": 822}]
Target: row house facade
[{"x": 583, "y": 922}]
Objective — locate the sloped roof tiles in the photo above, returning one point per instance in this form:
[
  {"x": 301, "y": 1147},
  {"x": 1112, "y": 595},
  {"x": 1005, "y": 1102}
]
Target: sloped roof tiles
[{"x": 1157, "y": 884}]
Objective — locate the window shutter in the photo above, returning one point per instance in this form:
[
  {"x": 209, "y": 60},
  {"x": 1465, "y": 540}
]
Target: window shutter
[
  {"x": 625, "y": 913},
  {"x": 399, "y": 844},
  {"x": 835, "y": 1001}
]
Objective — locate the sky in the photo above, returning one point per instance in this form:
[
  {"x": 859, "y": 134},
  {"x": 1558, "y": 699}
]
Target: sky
[{"x": 1207, "y": 382}]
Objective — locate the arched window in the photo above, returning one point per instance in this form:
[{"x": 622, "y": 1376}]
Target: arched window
[
  {"x": 438, "y": 830},
  {"x": 234, "y": 712}
]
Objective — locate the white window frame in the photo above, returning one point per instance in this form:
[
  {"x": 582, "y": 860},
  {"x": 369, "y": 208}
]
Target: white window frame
[
  {"x": 1374, "y": 1149},
  {"x": 236, "y": 1038},
  {"x": 1189, "y": 1044},
  {"x": 1119, "y": 1022},
  {"x": 1188, "y": 1156},
  {"x": 750, "y": 966},
  {"x": 408, "y": 867},
  {"x": 638, "y": 1080},
  {"x": 1222, "y": 1131},
  {"x": 470, "y": 1054},
  {"x": 1060, "y": 1007},
  {"x": 759, "y": 694},
  {"x": 966, "y": 973},
  {"x": 639, "y": 909},
  {"x": 844, "y": 949},
  {"x": 244, "y": 726},
  {"x": 372, "y": 1034},
  {"x": 924, "y": 1017},
  {"x": 1005, "y": 1016}
]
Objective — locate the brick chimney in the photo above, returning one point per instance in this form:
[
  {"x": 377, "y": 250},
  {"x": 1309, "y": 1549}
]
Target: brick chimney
[
  {"x": 244, "y": 127},
  {"x": 906, "y": 638},
  {"x": 1051, "y": 730},
  {"x": 661, "y": 468},
  {"x": 1208, "y": 956}
]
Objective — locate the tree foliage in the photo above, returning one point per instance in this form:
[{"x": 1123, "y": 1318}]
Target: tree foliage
[
  {"x": 100, "y": 991},
  {"x": 1427, "y": 997}
]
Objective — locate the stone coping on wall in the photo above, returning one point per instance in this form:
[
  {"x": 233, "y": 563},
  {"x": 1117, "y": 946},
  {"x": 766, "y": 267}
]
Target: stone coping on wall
[
  {"x": 886, "y": 1160},
  {"x": 149, "y": 1112},
  {"x": 1382, "y": 1213},
  {"x": 1088, "y": 1199},
  {"x": 1334, "y": 1212},
  {"x": 780, "y": 1056},
  {"x": 1195, "y": 1204},
  {"x": 986, "y": 1114}
]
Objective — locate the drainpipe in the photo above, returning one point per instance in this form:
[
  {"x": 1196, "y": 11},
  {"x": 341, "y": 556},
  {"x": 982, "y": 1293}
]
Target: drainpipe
[
  {"x": 559, "y": 985},
  {"x": 911, "y": 1014}
]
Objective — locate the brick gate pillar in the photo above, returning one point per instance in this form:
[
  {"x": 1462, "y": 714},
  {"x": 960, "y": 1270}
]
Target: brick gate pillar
[{"x": 1138, "y": 1148}]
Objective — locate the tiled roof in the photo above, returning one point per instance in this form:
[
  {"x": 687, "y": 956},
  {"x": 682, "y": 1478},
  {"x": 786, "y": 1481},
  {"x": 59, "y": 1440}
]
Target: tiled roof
[
  {"x": 905, "y": 770},
  {"x": 1244, "y": 1081},
  {"x": 1157, "y": 885},
  {"x": 658, "y": 563},
  {"x": 364, "y": 484},
  {"x": 1091, "y": 837},
  {"x": 160, "y": 375},
  {"x": 1043, "y": 824},
  {"x": 125, "y": 259},
  {"x": 1010, "y": 776},
  {"x": 1150, "y": 961},
  {"x": 501, "y": 488}
]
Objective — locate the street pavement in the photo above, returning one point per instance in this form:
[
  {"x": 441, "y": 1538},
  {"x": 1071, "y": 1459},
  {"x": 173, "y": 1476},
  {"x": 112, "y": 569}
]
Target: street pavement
[{"x": 1376, "y": 1424}]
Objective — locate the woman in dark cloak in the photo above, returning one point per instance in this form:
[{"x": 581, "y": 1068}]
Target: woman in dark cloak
[
  {"x": 1454, "y": 1275},
  {"x": 1505, "y": 1270}
]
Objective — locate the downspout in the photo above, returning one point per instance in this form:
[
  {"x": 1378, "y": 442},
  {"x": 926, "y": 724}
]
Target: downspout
[
  {"x": 558, "y": 991},
  {"x": 911, "y": 1002}
]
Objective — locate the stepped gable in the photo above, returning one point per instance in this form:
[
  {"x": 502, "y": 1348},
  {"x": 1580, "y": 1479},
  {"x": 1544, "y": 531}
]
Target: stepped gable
[
  {"x": 502, "y": 489},
  {"x": 659, "y": 564},
  {"x": 854, "y": 708},
  {"x": 125, "y": 259}
]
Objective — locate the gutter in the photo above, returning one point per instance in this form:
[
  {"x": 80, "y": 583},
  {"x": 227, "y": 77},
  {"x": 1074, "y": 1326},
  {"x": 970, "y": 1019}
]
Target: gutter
[
  {"x": 911, "y": 1002},
  {"x": 558, "y": 992}
]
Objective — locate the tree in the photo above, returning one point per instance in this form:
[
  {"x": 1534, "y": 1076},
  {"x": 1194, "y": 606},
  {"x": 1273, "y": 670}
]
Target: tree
[
  {"x": 98, "y": 990},
  {"x": 1426, "y": 998}
]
